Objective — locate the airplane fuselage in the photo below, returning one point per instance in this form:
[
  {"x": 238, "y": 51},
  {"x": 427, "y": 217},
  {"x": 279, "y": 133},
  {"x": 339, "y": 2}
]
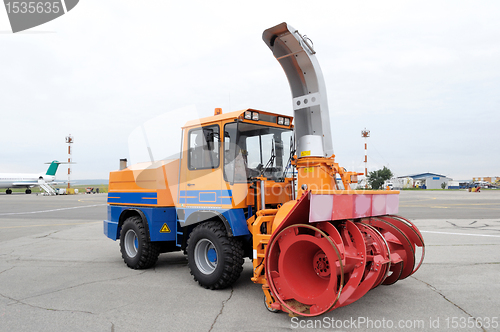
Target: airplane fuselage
[
  {"x": 29, "y": 180},
  {"x": 23, "y": 180}
]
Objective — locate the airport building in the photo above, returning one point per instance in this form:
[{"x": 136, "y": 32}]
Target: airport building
[
  {"x": 487, "y": 179},
  {"x": 421, "y": 180}
]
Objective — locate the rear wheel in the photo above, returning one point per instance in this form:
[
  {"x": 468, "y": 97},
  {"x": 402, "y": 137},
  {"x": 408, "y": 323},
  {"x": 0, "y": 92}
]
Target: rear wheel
[
  {"x": 215, "y": 260},
  {"x": 137, "y": 251},
  {"x": 8, "y": 191}
]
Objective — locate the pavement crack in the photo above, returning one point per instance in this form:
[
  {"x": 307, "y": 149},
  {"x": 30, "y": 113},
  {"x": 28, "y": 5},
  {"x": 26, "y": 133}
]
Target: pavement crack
[
  {"x": 434, "y": 289},
  {"x": 10, "y": 268},
  {"x": 46, "y": 235},
  {"x": 16, "y": 301},
  {"x": 473, "y": 227},
  {"x": 119, "y": 307},
  {"x": 72, "y": 287},
  {"x": 222, "y": 309}
]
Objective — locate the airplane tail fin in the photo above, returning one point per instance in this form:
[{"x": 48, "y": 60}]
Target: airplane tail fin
[{"x": 53, "y": 167}]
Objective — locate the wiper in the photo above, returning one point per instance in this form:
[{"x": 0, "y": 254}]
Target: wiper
[
  {"x": 271, "y": 160},
  {"x": 292, "y": 153}
]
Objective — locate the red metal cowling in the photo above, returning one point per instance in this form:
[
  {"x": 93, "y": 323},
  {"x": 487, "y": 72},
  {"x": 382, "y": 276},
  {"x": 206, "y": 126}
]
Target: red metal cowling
[{"x": 315, "y": 268}]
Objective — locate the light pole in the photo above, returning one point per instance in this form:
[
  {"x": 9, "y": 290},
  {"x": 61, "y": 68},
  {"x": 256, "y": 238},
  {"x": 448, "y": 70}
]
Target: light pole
[
  {"x": 366, "y": 133},
  {"x": 69, "y": 140}
]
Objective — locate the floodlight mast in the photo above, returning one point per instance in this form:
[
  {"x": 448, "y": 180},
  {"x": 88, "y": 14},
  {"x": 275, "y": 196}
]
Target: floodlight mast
[
  {"x": 366, "y": 133},
  {"x": 69, "y": 140},
  {"x": 296, "y": 55}
]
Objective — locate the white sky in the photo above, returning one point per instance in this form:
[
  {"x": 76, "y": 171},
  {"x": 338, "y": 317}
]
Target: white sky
[{"x": 422, "y": 76}]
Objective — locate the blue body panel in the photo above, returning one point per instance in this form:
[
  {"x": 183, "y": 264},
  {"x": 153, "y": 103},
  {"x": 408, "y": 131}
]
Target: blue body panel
[
  {"x": 111, "y": 229},
  {"x": 237, "y": 221},
  {"x": 157, "y": 217}
]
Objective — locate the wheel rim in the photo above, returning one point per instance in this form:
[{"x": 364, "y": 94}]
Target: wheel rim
[
  {"x": 131, "y": 243},
  {"x": 205, "y": 256}
]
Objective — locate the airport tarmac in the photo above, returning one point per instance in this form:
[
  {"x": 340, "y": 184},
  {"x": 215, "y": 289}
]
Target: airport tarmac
[{"x": 58, "y": 272}]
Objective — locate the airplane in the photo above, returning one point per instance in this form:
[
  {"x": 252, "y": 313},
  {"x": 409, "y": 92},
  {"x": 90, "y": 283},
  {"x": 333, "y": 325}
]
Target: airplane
[{"x": 25, "y": 180}]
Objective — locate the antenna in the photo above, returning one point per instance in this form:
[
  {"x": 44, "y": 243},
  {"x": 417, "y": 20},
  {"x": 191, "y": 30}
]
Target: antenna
[
  {"x": 69, "y": 140},
  {"x": 366, "y": 133}
]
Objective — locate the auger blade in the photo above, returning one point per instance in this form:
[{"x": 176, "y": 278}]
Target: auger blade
[
  {"x": 412, "y": 233},
  {"x": 377, "y": 261},
  {"x": 398, "y": 244},
  {"x": 304, "y": 270}
]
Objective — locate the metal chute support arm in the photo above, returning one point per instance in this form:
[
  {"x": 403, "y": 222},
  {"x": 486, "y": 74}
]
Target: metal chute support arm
[{"x": 297, "y": 57}]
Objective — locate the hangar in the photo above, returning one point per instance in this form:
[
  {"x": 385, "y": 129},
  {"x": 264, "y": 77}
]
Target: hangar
[{"x": 427, "y": 180}]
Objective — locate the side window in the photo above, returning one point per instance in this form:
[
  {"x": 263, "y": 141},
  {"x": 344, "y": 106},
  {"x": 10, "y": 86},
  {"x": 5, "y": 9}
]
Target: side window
[
  {"x": 254, "y": 154},
  {"x": 234, "y": 167},
  {"x": 203, "y": 145}
]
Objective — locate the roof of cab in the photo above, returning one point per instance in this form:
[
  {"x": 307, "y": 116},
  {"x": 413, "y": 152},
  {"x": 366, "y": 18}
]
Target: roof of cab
[
  {"x": 223, "y": 116},
  {"x": 213, "y": 118}
]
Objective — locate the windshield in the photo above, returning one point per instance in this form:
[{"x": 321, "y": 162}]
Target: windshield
[{"x": 251, "y": 150}]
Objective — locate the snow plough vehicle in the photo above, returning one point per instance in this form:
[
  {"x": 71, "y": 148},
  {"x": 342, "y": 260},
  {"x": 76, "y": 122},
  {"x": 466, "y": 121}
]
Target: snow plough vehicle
[{"x": 266, "y": 186}]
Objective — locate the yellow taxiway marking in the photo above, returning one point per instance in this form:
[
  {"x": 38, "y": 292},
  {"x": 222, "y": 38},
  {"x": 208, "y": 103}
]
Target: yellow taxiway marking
[{"x": 47, "y": 225}]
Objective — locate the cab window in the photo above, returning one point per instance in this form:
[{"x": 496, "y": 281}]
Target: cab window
[
  {"x": 203, "y": 151},
  {"x": 251, "y": 150}
]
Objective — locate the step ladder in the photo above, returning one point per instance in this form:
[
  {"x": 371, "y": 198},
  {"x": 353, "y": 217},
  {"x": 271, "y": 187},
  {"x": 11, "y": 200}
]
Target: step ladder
[
  {"x": 49, "y": 190},
  {"x": 180, "y": 216}
]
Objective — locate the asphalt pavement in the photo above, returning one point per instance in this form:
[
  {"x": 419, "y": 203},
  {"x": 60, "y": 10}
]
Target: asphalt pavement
[{"x": 58, "y": 272}]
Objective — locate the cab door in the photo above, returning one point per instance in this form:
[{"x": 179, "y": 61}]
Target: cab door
[{"x": 201, "y": 168}]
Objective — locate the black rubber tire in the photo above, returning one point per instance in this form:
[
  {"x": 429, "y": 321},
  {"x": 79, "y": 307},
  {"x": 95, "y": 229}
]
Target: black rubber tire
[
  {"x": 229, "y": 255},
  {"x": 28, "y": 191},
  {"x": 147, "y": 252},
  {"x": 8, "y": 191}
]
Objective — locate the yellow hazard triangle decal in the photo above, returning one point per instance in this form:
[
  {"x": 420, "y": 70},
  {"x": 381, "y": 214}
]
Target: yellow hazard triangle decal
[{"x": 164, "y": 229}]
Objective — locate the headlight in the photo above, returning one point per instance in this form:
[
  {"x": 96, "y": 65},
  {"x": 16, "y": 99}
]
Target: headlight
[
  {"x": 248, "y": 115},
  {"x": 255, "y": 116},
  {"x": 287, "y": 121},
  {"x": 280, "y": 120}
]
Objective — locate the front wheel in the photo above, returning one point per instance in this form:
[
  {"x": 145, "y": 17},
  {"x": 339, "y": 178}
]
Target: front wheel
[
  {"x": 215, "y": 260},
  {"x": 137, "y": 251}
]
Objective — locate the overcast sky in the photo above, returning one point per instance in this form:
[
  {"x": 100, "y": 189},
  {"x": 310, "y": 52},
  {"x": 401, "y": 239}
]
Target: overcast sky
[{"x": 422, "y": 76}]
